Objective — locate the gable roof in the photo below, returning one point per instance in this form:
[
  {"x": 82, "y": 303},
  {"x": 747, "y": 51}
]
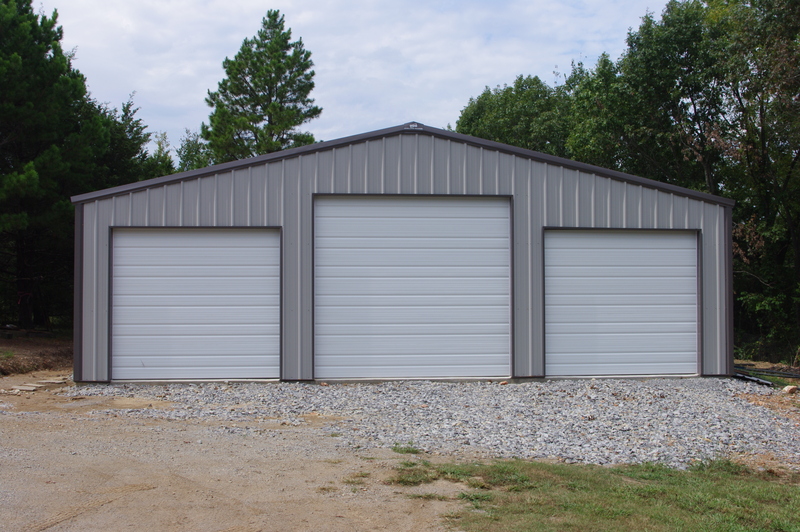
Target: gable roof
[{"x": 404, "y": 129}]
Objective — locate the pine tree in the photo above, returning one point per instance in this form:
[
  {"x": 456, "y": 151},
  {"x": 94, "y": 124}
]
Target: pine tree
[{"x": 264, "y": 98}]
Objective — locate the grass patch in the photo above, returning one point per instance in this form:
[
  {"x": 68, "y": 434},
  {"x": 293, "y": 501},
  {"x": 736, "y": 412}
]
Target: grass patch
[
  {"x": 356, "y": 478},
  {"x": 428, "y": 496},
  {"x": 519, "y": 495},
  {"x": 408, "y": 448}
]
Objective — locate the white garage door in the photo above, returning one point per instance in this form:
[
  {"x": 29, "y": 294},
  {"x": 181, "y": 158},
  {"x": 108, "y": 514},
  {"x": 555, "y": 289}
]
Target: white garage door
[
  {"x": 620, "y": 303},
  {"x": 412, "y": 287},
  {"x": 195, "y": 304}
]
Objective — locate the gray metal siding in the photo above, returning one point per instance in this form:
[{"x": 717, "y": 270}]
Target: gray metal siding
[{"x": 278, "y": 192}]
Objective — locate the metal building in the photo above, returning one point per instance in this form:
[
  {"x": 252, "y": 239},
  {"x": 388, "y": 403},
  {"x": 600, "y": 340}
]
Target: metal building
[{"x": 410, "y": 252}]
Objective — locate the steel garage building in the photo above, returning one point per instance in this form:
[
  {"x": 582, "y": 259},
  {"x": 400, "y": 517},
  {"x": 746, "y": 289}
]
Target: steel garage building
[{"x": 410, "y": 252}]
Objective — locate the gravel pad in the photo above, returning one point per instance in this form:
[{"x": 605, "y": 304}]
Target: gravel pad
[{"x": 604, "y": 421}]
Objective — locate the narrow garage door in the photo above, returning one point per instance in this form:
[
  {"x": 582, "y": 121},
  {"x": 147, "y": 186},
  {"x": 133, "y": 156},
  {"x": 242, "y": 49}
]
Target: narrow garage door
[
  {"x": 195, "y": 304},
  {"x": 620, "y": 303},
  {"x": 412, "y": 287}
]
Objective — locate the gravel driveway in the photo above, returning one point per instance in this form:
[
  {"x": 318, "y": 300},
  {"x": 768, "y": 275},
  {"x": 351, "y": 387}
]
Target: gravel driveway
[{"x": 604, "y": 421}]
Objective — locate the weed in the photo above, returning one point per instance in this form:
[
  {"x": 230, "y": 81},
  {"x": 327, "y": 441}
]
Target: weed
[
  {"x": 8, "y": 355},
  {"x": 428, "y": 496},
  {"x": 326, "y": 489},
  {"x": 405, "y": 449},
  {"x": 335, "y": 434}
]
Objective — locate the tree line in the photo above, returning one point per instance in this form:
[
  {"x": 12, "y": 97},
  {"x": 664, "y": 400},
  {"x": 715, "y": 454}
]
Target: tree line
[
  {"x": 707, "y": 96},
  {"x": 57, "y": 141}
]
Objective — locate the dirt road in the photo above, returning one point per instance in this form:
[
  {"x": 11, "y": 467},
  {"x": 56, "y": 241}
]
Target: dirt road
[{"x": 82, "y": 464}]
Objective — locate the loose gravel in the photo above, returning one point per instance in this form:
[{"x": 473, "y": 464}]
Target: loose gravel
[{"x": 604, "y": 421}]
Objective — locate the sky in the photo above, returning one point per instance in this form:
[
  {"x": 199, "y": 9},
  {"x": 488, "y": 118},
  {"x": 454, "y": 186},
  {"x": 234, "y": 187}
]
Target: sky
[{"x": 378, "y": 63}]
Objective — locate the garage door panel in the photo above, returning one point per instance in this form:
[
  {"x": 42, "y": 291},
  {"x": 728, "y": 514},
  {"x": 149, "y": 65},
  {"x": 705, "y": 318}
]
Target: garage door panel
[
  {"x": 207, "y": 316},
  {"x": 615, "y": 286},
  {"x": 190, "y": 257},
  {"x": 421, "y": 331},
  {"x": 611, "y": 257},
  {"x": 402, "y": 257},
  {"x": 171, "y": 272},
  {"x": 416, "y": 315},
  {"x": 412, "y": 287},
  {"x": 398, "y": 287},
  {"x": 617, "y": 300},
  {"x": 421, "y": 359},
  {"x": 413, "y": 272},
  {"x": 384, "y": 345},
  {"x": 195, "y": 304},
  {"x": 192, "y": 300},
  {"x": 196, "y": 330},
  {"x": 218, "y": 346},
  {"x": 607, "y": 344},
  {"x": 415, "y": 227},
  {"x": 324, "y": 301},
  {"x": 577, "y": 316},
  {"x": 209, "y": 359},
  {"x": 620, "y": 303},
  {"x": 643, "y": 272},
  {"x": 412, "y": 243},
  {"x": 622, "y": 327},
  {"x": 178, "y": 373},
  {"x": 619, "y": 240},
  {"x": 180, "y": 286},
  {"x": 633, "y": 369}
]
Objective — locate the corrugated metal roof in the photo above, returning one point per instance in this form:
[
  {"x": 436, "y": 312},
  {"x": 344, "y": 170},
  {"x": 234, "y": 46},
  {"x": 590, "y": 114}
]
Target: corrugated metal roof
[{"x": 407, "y": 128}]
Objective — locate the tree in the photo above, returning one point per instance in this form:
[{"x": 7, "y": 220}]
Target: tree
[
  {"x": 192, "y": 153},
  {"x": 763, "y": 81},
  {"x": 673, "y": 78},
  {"x": 264, "y": 98},
  {"x": 55, "y": 142},
  {"x": 529, "y": 114}
]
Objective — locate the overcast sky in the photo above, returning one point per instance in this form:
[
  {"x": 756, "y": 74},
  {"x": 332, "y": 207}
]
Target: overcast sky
[{"x": 377, "y": 63}]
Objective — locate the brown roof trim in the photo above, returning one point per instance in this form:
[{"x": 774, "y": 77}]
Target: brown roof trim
[{"x": 408, "y": 128}]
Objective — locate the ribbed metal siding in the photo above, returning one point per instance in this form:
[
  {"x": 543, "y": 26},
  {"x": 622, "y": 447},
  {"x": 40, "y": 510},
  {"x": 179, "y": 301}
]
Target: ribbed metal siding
[
  {"x": 412, "y": 287},
  {"x": 281, "y": 195}
]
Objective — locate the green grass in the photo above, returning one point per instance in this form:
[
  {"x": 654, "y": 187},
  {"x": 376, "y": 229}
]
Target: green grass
[
  {"x": 8, "y": 355},
  {"x": 405, "y": 449},
  {"x": 516, "y": 495}
]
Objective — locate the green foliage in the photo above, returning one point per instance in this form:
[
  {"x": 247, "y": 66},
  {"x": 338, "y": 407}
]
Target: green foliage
[
  {"x": 192, "y": 153},
  {"x": 704, "y": 97},
  {"x": 264, "y": 98},
  {"x": 405, "y": 449},
  {"x": 55, "y": 142},
  {"x": 528, "y": 114}
]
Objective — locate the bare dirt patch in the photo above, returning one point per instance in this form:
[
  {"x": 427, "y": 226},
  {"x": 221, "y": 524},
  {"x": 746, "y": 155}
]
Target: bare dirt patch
[
  {"x": 81, "y": 463},
  {"x": 22, "y": 354}
]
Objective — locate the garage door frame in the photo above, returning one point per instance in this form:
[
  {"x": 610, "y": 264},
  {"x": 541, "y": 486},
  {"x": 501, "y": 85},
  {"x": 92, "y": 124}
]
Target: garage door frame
[
  {"x": 511, "y": 308},
  {"x": 699, "y": 290},
  {"x": 273, "y": 229}
]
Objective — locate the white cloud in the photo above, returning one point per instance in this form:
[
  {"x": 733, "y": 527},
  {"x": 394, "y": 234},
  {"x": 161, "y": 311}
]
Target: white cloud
[{"x": 377, "y": 64}]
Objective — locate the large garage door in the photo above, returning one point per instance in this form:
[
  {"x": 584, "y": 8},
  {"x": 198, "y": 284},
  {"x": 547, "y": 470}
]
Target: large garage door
[
  {"x": 196, "y": 304},
  {"x": 412, "y": 287},
  {"x": 620, "y": 303}
]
